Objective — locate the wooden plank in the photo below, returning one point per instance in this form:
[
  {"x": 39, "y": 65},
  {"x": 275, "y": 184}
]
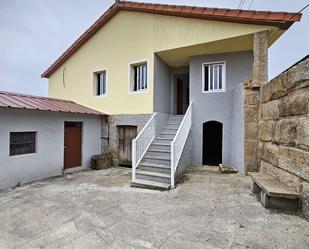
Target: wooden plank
[{"x": 272, "y": 186}]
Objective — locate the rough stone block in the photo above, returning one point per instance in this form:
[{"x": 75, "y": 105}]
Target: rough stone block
[
  {"x": 295, "y": 161},
  {"x": 278, "y": 87},
  {"x": 250, "y": 147},
  {"x": 302, "y": 139},
  {"x": 298, "y": 75},
  {"x": 251, "y": 130},
  {"x": 251, "y": 97},
  {"x": 266, "y": 92},
  {"x": 250, "y": 114},
  {"x": 270, "y": 110},
  {"x": 278, "y": 203},
  {"x": 296, "y": 103},
  {"x": 281, "y": 175},
  {"x": 250, "y": 164},
  {"x": 269, "y": 153},
  {"x": 286, "y": 131},
  {"x": 266, "y": 130},
  {"x": 305, "y": 199}
]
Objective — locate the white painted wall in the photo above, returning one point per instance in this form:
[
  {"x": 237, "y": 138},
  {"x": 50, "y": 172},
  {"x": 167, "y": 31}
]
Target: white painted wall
[{"x": 48, "y": 159}]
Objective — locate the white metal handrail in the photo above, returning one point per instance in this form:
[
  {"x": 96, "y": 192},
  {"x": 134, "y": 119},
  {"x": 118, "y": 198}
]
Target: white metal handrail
[
  {"x": 142, "y": 142},
  {"x": 178, "y": 144}
]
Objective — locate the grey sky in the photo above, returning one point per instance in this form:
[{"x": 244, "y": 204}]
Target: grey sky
[{"x": 33, "y": 33}]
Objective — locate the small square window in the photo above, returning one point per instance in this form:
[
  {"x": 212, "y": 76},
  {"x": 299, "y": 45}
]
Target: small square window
[
  {"x": 214, "y": 77},
  {"x": 99, "y": 83},
  {"x": 138, "y": 77},
  {"x": 22, "y": 143}
]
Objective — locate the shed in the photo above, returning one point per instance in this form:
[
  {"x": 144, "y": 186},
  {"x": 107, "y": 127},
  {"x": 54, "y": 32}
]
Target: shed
[{"x": 43, "y": 137}]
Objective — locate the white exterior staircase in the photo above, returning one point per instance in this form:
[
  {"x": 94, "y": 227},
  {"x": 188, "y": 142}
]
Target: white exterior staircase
[{"x": 153, "y": 164}]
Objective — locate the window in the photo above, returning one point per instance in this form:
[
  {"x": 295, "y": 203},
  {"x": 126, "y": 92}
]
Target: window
[
  {"x": 214, "y": 77},
  {"x": 138, "y": 77},
  {"x": 22, "y": 143},
  {"x": 100, "y": 83}
]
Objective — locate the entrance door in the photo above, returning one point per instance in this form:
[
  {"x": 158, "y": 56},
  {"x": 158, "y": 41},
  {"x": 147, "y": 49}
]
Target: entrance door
[
  {"x": 72, "y": 144},
  {"x": 179, "y": 110},
  {"x": 212, "y": 143},
  {"x": 126, "y": 135}
]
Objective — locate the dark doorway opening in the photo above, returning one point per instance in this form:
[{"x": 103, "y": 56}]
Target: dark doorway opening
[
  {"x": 72, "y": 144},
  {"x": 212, "y": 143},
  {"x": 182, "y": 93}
]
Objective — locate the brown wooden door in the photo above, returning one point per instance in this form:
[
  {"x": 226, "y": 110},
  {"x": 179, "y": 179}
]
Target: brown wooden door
[
  {"x": 126, "y": 135},
  {"x": 179, "y": 97},
  {"x": 72, "y": 144}
]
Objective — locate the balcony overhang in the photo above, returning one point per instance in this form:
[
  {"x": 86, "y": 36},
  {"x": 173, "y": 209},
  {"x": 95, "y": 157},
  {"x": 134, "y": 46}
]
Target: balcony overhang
[{"x": 180, "y": 56}]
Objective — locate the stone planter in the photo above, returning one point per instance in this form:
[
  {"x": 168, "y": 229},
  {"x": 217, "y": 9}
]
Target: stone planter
[{"x": 99, "y": 162}]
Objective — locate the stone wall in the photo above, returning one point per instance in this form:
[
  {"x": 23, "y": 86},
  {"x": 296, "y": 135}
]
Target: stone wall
[
  {"x": 284, "y": 129},
  {"x": 251, "y": 126},
  {"x": 110, "y": 131}
]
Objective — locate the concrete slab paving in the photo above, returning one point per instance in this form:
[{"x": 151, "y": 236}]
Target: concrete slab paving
[{"x": 98, "y": 209}]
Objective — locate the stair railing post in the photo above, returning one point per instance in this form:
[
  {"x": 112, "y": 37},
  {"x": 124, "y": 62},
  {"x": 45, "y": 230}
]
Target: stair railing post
[
  {"x": 133, "y": 159},
  {"x": 172, "y": 165}
]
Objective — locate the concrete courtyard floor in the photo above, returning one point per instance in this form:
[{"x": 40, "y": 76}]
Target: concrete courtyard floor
[{"x": 98, "y": 209}]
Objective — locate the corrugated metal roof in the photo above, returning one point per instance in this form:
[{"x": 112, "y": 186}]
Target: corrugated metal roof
[
  {"x": 282, "y": 20},
  {"x": 29, "y": 102}
]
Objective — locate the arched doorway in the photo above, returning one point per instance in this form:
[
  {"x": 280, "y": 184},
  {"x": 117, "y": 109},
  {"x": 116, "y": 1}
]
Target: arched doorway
[{"x": 212, "y": 143}]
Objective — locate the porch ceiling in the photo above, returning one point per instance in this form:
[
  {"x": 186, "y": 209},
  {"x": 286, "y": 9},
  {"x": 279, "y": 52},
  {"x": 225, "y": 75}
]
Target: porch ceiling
[{"x": 180, "y": 56}]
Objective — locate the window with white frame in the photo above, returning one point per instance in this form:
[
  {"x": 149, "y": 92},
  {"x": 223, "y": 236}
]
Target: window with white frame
[
  {"x": 214, "y": 77},
  {"x": 100, "y": 83},
  {"x": 138, "y": 77}
]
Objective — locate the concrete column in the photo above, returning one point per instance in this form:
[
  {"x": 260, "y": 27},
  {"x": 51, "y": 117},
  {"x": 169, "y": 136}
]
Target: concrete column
[{"x": 260, "y": 59}]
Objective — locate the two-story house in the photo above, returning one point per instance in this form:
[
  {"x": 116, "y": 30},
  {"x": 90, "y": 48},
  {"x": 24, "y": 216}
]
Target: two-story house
[{"x": 173, "y": 75}]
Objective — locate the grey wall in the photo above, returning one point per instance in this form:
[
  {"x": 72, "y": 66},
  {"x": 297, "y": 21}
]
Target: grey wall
[
  {"x": 162, "y": 86},
  {"x": 237, "y": 134},
  {"x": 48, "y": 159},
  {"x": 219, "y": 106}
]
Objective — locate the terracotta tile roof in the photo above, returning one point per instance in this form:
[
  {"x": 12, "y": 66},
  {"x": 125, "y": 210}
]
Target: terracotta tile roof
[
  {"x": 29, "y": 102},
  {"x": 282, "y": 20}
]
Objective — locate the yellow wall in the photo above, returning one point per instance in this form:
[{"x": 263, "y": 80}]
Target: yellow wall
[{"x": 130, "y": 37}]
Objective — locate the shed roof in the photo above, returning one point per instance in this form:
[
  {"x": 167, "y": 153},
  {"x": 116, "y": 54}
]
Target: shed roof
[
  {"x": 30, "y": 102},
  {"x": 282, "y": 20}
]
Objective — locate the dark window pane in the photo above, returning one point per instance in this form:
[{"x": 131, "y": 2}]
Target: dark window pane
[
  {"x": 98, "y": 84},
  {"x": 22, "y": 143},
  {"x": 220, "y": 77},
  {"x": 206, "y": 78}
]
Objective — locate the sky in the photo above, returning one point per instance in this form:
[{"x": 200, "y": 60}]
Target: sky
[{"x": 34, "y": 33}]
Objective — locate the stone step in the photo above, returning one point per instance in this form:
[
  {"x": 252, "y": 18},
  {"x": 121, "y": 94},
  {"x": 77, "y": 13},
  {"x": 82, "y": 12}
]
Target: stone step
[
  {"x": 157, "y": 160},
  {"x": 173, "y": 123},
  {"x": 138, "y": 183},
  {"x": 155, "y": 167},
  {"x": 153, "y": 176},
  {"x": 168, "y": 136},
  {"x": 161, "y": 140},
  {"x": 168, "y": 132},
  {"x": 171, "y": 126},
  {"x": 160, "y": 150},
  {"x": 159, "y": 155},
  {"x": 160, "y": 146}
]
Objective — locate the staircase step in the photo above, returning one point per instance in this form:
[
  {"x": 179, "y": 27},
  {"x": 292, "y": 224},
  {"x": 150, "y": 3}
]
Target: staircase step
[
  {"x": 157, "y": 160},
  {"x": 162, "y": 140},
  {"x": 168, "y": 136},
  {"x": 160, "y": 147},
  {"x": 153, "y": 176},
  {"x": 170, "y": 127},
  {"x": 138, "y": 183},
  {"x": 158, "y": 155},
  {"x": 155, "y": 167},
  {"x": 168, "y": 132},
  {"x": 160, "y": 150}
]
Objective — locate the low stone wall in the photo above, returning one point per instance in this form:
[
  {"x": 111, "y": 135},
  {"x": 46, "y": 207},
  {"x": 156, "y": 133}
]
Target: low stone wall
[
  {"x": 110, "y": 131},
  {"x": 284, "y": 129}
]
